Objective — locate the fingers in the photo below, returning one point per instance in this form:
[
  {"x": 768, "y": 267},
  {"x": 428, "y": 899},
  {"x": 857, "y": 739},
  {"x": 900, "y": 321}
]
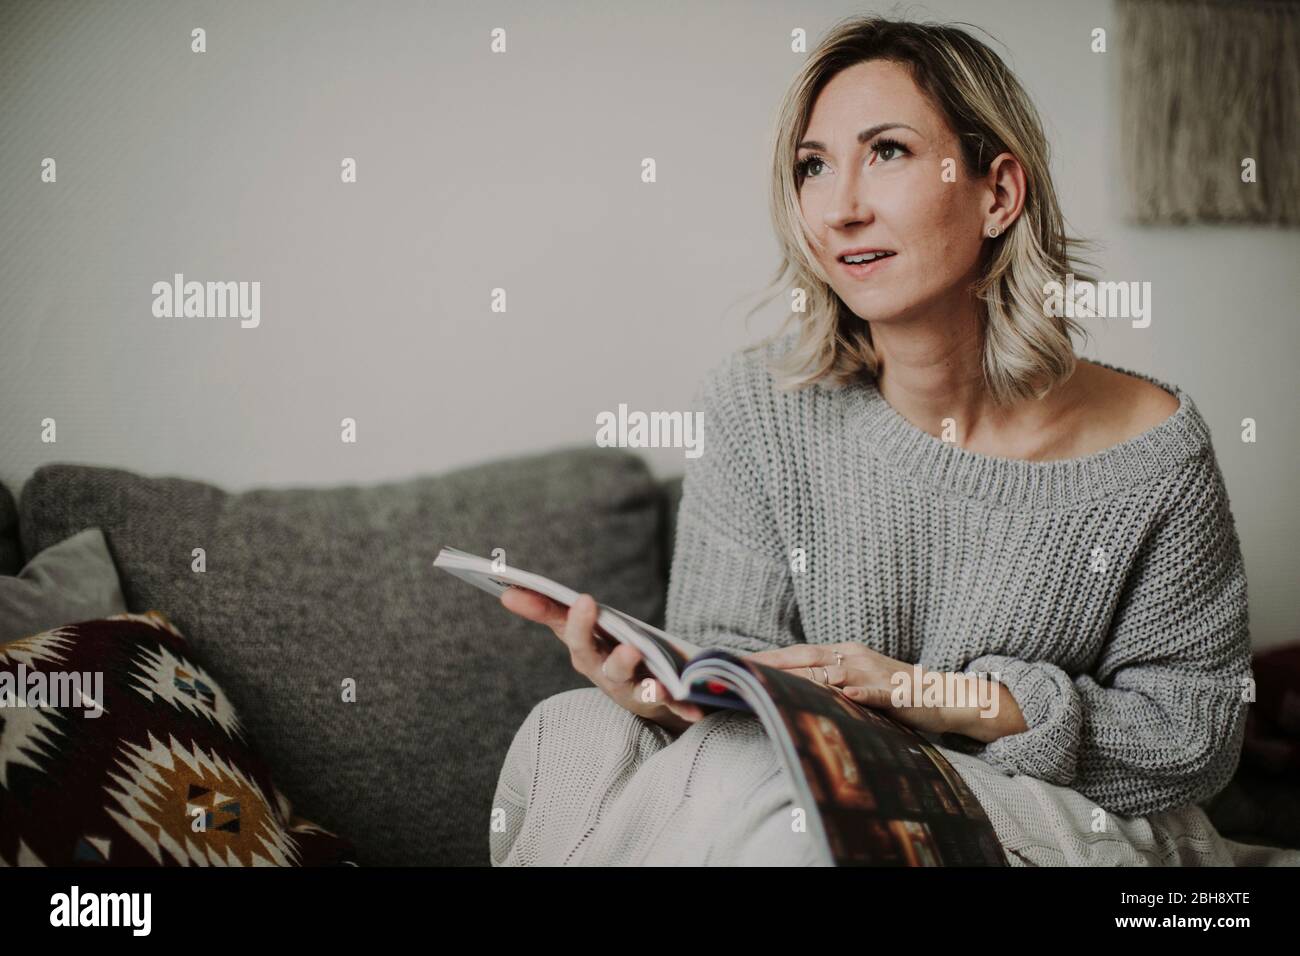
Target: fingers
[
  {"x": 621, "y": 664},
  {"x": 859, "y": 686},
  {"x": 844, "y": 676},
  {"x": 798, "y": 658},
  {"x": 657, "y": 693},
  {"x": 577, "y": 635},
  {"x": 576, "y": 627},
  {"x": 796, "y": 655},
  {"x": 533, "y": 606},
  {"x": 874, "y": 697},
  {"x": 690, "y": 712}
]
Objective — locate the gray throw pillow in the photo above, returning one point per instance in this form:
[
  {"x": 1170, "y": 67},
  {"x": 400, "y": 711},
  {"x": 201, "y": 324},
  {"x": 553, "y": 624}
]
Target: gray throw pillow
[{"x": 70, "y": 582}]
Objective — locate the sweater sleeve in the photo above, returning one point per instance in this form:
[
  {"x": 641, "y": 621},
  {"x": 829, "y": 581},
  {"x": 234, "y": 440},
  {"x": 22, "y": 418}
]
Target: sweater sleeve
[
  {"x": 1160, "y": 722},
  {"x": 730, "y": 584}
]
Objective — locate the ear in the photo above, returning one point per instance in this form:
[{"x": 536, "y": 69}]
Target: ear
[{"x": 1007, "y": 190}]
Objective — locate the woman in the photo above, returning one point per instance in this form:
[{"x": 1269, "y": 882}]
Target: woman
[{"x": 964, "y": 492}]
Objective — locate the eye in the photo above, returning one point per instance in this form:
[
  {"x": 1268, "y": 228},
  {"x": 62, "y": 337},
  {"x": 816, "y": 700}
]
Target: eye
[
  {"x": 801, "y": 167},
  {"x": 881, "y": 147},
  {"x": 884, "y": 145}
]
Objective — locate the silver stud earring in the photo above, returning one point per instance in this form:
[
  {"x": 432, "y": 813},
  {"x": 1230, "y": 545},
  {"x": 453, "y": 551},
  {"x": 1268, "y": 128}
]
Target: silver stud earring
[{"x": 993, "y": 232}]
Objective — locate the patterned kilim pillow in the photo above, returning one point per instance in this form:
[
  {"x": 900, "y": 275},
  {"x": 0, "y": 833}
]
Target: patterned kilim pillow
[{"x": 138, "y": 760}]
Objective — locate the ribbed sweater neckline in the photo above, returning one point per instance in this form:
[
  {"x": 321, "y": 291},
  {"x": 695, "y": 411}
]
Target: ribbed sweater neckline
[{"x": 1020, "y": 483}]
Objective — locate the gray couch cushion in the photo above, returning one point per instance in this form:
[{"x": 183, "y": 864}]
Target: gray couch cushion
[
  {"x": 67, "y": 583},
  {"x": 307, "y": 587}
]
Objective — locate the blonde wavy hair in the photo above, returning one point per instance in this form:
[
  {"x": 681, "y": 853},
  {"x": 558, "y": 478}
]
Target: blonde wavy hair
[{"x": 1027, "y": 352}]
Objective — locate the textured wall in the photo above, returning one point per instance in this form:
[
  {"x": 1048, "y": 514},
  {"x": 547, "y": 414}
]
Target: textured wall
[{"x": 518, "y": 170}]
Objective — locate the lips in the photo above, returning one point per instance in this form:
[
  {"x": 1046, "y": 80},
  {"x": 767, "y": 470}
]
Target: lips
[
  {"x": 863, "y": 270},
  {"x": 878, "y": 253}
]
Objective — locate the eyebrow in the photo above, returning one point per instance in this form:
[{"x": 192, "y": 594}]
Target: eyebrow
[{"x": 868, "y": 133}]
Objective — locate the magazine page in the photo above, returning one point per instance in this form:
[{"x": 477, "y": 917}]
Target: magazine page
[{"x": 878, "y": 792}]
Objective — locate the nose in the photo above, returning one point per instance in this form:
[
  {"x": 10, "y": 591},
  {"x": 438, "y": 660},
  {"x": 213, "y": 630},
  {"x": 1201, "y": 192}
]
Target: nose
[{"x": 848, "y": 205}]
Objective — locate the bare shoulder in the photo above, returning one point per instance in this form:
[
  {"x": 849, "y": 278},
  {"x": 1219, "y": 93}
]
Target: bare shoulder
[{"x": 1126, "y": 406}]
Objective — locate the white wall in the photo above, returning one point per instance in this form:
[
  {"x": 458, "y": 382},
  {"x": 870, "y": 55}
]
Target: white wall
[{"x": 517, "y": 170}]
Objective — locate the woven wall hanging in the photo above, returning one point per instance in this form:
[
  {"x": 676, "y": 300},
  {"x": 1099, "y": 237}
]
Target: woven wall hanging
[{"x": 1206, "y": 87}]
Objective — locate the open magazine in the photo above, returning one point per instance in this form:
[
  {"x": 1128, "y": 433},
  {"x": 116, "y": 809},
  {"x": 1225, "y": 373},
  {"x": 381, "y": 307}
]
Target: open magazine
[{"x": 875, "y": 791}]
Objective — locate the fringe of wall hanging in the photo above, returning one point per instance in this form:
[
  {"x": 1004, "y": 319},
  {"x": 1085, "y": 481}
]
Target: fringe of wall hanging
[{"x": 1204, "y": 86}]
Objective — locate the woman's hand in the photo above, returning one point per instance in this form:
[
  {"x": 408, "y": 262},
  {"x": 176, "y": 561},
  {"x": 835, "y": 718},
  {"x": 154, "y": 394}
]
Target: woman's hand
[
  {"x": 616, "y": 670},
  {"x": 865, "y": 677}
]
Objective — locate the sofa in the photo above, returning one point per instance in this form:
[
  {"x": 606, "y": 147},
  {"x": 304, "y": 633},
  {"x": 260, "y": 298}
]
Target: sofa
[{"x": 304, "y": 588}]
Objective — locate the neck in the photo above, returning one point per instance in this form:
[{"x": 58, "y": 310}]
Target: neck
[{"x": 930, "y": 371}]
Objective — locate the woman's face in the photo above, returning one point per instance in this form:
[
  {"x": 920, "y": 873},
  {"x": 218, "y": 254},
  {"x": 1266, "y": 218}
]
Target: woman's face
[{"x": 890, "y": 192}]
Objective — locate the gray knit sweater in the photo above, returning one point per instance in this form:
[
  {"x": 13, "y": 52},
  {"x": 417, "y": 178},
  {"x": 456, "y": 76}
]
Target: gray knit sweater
[{"x": 1107, "y": 592}]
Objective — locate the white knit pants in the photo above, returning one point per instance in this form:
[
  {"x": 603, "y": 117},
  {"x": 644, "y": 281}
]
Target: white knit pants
[{"x": 587, "y": 783}]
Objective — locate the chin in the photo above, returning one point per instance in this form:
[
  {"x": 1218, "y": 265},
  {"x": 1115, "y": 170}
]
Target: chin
[{"x": 865, "y": 308}]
